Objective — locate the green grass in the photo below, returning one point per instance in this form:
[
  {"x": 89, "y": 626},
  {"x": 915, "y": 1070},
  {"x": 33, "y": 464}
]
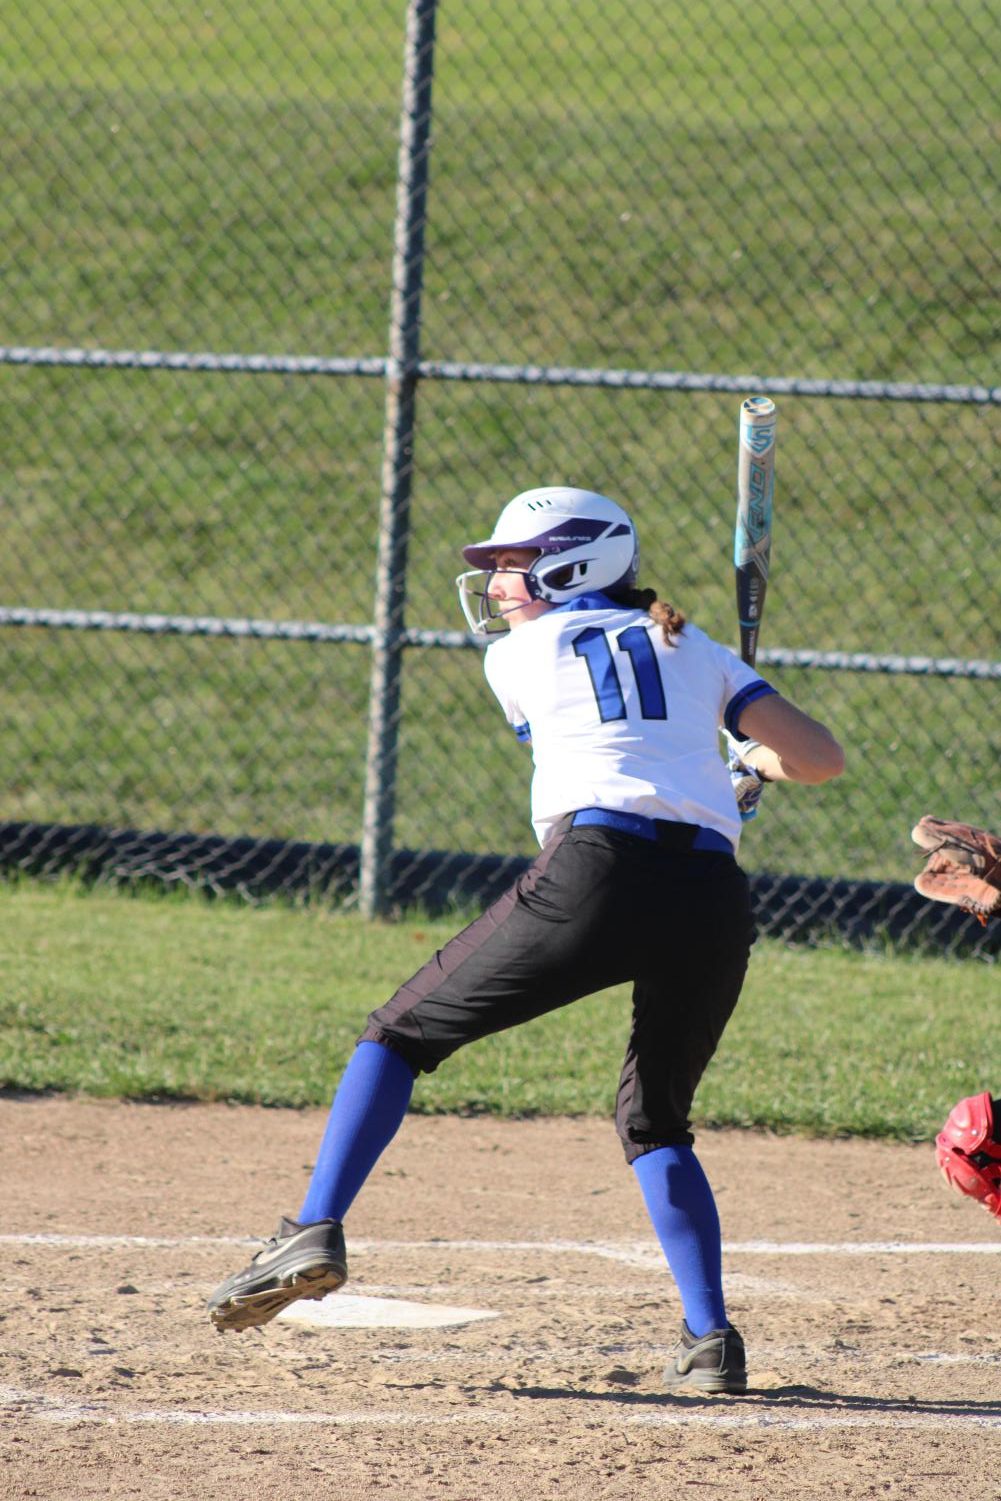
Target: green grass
[
  {"x": 176, "y": 997},
  {"x": 599, "y": 182},
  {"x": 619, "y": 184}
]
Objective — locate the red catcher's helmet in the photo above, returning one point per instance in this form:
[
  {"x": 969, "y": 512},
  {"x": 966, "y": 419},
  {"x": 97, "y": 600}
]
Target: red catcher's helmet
[{"x": 968, "y": 1154}]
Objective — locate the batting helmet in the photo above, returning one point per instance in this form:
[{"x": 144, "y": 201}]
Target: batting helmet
[{"x": 584, "y": 542}]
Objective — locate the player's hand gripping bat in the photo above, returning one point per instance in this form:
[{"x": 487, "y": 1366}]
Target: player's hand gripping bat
[{"x": 752, "y": 546}]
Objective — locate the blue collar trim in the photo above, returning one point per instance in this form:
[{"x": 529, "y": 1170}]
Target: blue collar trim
[{"x": 593, "y": 600}]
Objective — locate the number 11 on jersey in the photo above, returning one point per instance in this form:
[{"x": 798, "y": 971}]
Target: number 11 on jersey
[{"x": 594, "y": 646}]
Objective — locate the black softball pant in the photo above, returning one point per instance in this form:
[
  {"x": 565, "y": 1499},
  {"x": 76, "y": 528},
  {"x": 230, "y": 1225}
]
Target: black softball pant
[{"x": 597, "y": 908}]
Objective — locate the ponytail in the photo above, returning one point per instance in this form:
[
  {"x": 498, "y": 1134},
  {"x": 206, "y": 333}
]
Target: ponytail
[{"x": 670, "y": 620}]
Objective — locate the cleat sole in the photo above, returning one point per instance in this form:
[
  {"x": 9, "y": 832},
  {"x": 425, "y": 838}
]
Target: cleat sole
[
  {"x": 709, "y": 1383},
  {"x": 251, "y": 1310}
]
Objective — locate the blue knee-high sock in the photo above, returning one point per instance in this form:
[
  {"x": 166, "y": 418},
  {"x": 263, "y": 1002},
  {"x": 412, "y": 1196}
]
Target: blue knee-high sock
[
  {"x": 367, "y": 1112},
  {"x": 681, "y": 1205}
]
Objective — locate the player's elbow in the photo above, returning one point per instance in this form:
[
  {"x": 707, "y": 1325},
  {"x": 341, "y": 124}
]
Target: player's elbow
[
  {"x": 805, "y": 748},
  {"x": 825, "y": 761}
]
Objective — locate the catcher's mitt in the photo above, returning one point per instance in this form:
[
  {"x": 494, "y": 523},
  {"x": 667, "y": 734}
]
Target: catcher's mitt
[{"x": 963, "y": 866}]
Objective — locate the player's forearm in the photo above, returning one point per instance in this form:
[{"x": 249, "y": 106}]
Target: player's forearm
[
  {"x": 776, "y": 768},
  {"x": 793, "y": 747}
]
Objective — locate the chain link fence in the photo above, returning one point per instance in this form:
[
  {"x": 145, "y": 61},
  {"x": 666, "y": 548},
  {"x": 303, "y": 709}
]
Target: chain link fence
[{"x": 294, "y": 299}]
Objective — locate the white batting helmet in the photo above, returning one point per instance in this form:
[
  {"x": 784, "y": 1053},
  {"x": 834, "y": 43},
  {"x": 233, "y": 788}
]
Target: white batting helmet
[{"x": 584, "y": 540}]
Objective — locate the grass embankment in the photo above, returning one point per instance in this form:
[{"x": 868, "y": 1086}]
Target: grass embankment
[{"x": 175, "y": 997}]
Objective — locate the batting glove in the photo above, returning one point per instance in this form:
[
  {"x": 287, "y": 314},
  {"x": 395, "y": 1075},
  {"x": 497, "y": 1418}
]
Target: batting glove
[{"x": 747, "y": 783}]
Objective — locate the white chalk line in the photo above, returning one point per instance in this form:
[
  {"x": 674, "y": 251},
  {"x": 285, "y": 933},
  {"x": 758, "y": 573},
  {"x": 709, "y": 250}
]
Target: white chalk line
[
  {"x": 53, "y": 1410},
  {"x": 928, "y": 1421},
  {"x": 28, "y": 1404},
  {"x": 563, "y": 1287},
  {"x": 636, "y": 1253}
]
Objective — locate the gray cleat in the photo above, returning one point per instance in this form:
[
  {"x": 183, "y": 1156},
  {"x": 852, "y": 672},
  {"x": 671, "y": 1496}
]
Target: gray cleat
[
  {"x": 714, "y": 1362},
  {"x": 299, "y": 1261}
]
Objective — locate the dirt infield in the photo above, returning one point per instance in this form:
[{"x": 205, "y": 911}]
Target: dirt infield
[{"x": 866, "y": 1292}]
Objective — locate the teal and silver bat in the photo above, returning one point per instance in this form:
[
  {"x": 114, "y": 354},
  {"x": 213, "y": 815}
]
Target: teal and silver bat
[{"x": 753, "y": 533}]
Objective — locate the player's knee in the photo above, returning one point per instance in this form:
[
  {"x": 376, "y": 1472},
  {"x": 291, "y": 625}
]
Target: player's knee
[
  {"x": 636, "y": 1145},
  {"x": 401, "y": 1044},
  {"x": 968, "y": 1152}
]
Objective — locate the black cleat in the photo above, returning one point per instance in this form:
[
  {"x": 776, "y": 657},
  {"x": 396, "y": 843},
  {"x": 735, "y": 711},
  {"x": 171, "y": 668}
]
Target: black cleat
[
  {"x": 715, "y": 1362},
  {"x": 299, "y": 1261}
]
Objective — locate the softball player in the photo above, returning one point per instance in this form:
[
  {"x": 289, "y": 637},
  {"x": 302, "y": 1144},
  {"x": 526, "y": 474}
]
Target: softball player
[{"x": 637, "y": 880}]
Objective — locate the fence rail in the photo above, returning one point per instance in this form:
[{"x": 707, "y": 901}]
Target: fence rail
[
  {"x": 182, "y": 361},
  {"x": 363, "y": 635}
]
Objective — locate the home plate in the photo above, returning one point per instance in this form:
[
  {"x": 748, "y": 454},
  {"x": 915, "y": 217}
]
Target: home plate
[{"x": 346, "y": 1311}]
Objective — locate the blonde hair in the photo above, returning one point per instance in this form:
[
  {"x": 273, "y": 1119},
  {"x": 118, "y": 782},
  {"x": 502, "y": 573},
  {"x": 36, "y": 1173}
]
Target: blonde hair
[{"x": 670, "y": 620}]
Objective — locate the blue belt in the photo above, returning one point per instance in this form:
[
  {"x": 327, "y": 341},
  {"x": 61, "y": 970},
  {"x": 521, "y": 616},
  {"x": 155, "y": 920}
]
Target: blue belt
[{"x": 681, "y": 836}]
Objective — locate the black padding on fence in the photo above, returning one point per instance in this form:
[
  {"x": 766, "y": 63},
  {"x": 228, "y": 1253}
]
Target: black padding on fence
[{"x": 801, "y": 908}]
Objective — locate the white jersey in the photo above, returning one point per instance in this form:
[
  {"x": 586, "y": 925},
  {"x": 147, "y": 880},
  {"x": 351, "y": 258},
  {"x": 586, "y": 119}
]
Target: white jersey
[{"x": 618, "y": 719}]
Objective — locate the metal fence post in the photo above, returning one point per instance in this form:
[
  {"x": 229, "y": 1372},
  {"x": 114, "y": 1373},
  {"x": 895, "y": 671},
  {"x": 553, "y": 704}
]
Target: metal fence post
[{"x": 398, "y": 455}]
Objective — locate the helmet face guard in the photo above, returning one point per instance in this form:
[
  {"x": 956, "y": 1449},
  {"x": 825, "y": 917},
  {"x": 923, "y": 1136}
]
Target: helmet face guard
[
  {"x": 585, "y": 542},
  {"x": 485, "y": 615}
]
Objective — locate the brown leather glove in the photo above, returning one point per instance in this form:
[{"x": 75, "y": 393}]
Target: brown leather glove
[{"x": 963, "y": 866}]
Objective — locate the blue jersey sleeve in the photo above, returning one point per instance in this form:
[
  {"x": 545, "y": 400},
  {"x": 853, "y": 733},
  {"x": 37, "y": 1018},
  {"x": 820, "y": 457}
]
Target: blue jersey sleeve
[{"x": 744, "y": 696}]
